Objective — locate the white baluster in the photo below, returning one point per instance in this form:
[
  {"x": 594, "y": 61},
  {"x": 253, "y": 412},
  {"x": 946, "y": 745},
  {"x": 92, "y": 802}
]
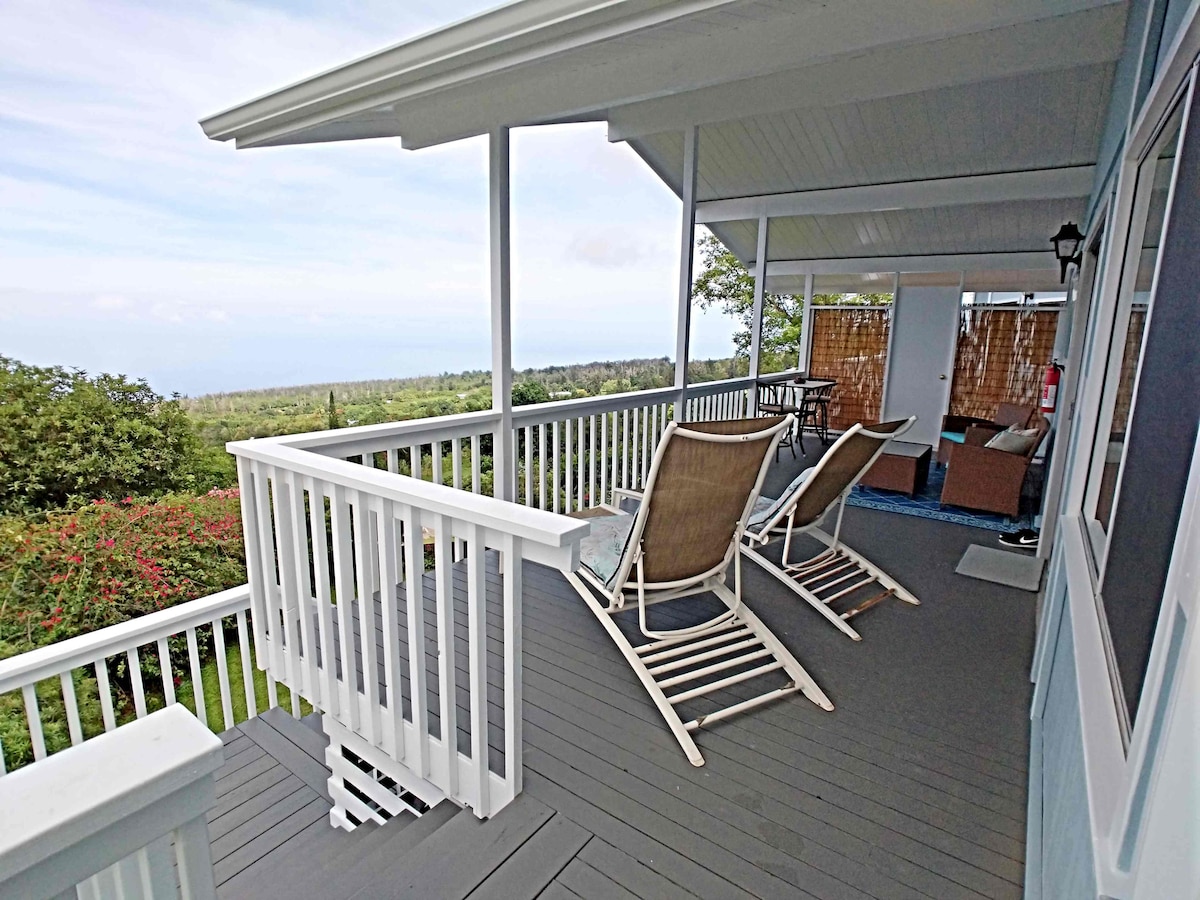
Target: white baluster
[
  {"x": 343, "y": 574},
  {"x": 74, "y": 727},
  {"x": 414, "y": 573},
  {"x": 325, "y": 690},
  {"x": 165, "y": 670},
  {"x": 368, "y": 651},
  {"x": 393, "y": 732},
  {"x": 223, "y": 672},
  {"x": 447, "y": 677},
  {"x": 247, "y": 664},
  {"x": 556, "y": 471},
  {"x": 511, "y": 550},
  {"x": 542, "y": 466},
  {"x": 568, "y": 446},
  {"x": 477, "y": 663},
  {"x": 33, "y": 716},
  {"x": 197, "y": 681}
]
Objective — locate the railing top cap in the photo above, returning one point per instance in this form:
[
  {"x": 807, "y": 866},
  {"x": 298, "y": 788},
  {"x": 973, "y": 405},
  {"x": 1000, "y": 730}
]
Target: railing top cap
[{"x": 88, "y": 788}]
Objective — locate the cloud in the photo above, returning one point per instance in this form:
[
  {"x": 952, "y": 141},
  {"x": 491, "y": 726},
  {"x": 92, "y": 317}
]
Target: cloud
[
  {"x": 111, "y": 302},
  {"x": 115, "y": 209},
  {"x": 605, "y": 250}
]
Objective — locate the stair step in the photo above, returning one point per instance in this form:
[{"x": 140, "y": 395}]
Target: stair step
[
  {"x": 314, "y": 721},
  {"x": 311, "y": 740},
  {"x": 457, "y": 857},
  {"x": 293, "y": 746},
  {"x": 312, "y": 862}
]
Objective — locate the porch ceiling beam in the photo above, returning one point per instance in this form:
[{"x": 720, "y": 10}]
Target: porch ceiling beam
[
  {"x": 1028, "y": 260},
  {"x": 1086, "y": 37},
  {"x": 1039, "y": 184}
]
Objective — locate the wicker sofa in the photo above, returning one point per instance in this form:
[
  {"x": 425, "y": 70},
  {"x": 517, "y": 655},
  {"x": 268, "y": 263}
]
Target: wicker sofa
[{"x": 980, "y": 477}]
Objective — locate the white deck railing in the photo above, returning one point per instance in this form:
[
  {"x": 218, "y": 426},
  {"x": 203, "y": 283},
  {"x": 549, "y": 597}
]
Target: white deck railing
[
  {"x": 340, "y": 573},
  {"x": 201, "y": 623},
  {"x": 119, "y": 818}
]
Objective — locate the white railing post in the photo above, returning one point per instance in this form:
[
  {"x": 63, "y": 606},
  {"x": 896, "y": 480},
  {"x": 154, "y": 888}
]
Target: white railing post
[
  {"x": 111, "y": 802},
  {"x": 503, "y": 462}
]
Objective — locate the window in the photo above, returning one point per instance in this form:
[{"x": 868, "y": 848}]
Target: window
[
  {"x": 1137, "y": 280},
  {"x": 1150, "y": 403}
]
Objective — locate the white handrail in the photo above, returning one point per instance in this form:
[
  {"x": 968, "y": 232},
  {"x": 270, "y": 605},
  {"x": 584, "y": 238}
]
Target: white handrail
[
  {"x": 54, "y": 659},
  {"x": 130, "y": 639},
  {"x": 128, "y": 803},
  {"x": 557, "y": 537}
]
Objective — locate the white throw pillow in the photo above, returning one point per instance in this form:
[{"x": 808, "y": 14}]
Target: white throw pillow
[{"x": 1014, "y": 440}]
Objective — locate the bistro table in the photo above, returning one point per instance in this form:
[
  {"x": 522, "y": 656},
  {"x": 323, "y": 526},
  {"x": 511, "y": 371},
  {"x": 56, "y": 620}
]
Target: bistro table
[{"x": 790, "y": 392}]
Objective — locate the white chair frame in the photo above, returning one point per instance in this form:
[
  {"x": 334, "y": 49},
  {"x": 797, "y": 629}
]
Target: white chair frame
[
  {"x": 705, "y": 652},
  {"x": 837, "y": 570}
]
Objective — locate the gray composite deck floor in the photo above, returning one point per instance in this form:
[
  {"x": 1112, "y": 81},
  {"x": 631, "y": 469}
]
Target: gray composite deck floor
[{"x": 914, "y": 786}]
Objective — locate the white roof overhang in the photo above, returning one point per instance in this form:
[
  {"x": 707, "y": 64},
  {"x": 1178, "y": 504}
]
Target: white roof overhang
[{"x": 877, "y": 136}]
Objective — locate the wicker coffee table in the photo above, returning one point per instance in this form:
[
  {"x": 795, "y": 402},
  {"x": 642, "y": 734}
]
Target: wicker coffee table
[{"x": 903, "y": 466}]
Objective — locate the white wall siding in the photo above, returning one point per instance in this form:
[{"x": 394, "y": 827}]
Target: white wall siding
[{"x": 1067, "y": 861}]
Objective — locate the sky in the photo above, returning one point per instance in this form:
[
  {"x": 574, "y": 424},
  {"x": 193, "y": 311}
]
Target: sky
[{"x": 131, "y": 243}]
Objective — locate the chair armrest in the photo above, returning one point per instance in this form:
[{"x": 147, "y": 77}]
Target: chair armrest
[
  {"x": 979, "y": 434},
  {"x": 962, "y": 423},
  {"x": 620, "y": 494}
]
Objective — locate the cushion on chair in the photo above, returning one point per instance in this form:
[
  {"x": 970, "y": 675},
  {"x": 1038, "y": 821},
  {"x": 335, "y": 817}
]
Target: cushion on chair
[
  {"x": 601, "y": 551},
  {"x": 766, "y": 507},
  {"x": 1014, "y": 440},
  {"x": 956, "y": 437}
]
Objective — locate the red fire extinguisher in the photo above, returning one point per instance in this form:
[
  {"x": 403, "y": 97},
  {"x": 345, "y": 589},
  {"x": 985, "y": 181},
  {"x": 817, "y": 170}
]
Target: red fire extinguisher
[{"x": 1050, "y": 387}]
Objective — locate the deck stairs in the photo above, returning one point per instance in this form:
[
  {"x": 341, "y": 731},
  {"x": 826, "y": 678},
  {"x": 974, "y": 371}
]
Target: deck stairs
[{"x": 272, "y": 837}]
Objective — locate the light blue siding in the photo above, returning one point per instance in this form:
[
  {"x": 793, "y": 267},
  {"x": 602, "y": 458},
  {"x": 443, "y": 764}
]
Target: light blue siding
[{"x": 1068, "y": 870}]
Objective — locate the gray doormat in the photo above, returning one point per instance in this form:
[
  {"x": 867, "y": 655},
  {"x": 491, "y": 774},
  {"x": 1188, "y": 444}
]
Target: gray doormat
[{"x": 1019, "y": 570}]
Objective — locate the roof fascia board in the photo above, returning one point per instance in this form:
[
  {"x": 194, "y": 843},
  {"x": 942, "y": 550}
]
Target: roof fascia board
[
  {"x": 1061, "y": 42},
  {"x": 945, "y": 262},
  {"x": 1040, "y": 184},
  {"x": 1009, "y": 280},
  {"x": 513, "y": 35}
]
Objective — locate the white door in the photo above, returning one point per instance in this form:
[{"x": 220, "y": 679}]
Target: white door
[{"x": 920, "y": 364}]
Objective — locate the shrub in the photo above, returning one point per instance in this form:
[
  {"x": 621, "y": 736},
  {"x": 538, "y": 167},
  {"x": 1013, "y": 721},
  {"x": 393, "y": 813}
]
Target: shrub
[
  {"x": 67, "y": 437},
  {"x": 71, "y": 572}
]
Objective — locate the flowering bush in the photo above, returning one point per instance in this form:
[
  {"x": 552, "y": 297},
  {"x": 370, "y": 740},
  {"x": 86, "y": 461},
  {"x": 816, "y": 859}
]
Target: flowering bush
[{"x": 71, "y": 572}]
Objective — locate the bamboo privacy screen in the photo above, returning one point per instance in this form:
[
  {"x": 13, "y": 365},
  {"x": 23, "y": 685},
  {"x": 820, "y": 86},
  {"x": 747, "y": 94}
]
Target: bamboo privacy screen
[
  {"x": 850, "y": 346},
  {"x": 1002, "y": 358}
]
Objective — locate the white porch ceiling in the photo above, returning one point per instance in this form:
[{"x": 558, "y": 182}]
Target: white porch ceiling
[{"x": 790, "y": 97}]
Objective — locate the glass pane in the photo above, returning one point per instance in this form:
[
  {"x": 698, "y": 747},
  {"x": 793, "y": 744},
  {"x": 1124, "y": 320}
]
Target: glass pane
[{"x": 1156, "y": 174}]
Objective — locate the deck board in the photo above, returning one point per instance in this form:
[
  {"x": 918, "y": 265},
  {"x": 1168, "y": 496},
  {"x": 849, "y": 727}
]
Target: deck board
[{"x": 913, "y": 787}]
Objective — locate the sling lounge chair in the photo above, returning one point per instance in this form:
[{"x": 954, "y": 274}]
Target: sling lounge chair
[
  {"x": 837, "y": 571},
  {"x": 680, "y": 542}
]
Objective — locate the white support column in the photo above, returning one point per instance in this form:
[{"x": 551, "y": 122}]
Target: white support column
[
  {"x": 503, "y": 456},
  {"x": 887, "y": 359},
  {"x": 687, "y": 242},
  {"x": 806, "y": 325},
  {"x": 760, "y": 281}
]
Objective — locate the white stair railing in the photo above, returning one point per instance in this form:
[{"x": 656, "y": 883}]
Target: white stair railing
[
  {"x": 201, "y": 624},
  {"x": 341, "y": 579},
  {"x": 118, "y": 818}
]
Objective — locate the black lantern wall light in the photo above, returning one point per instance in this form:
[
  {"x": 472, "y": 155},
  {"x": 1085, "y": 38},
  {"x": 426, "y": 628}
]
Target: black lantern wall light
[{"x": 1068, "y": 245}]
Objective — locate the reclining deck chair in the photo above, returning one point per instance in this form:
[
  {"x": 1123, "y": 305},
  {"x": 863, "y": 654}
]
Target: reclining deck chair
[
  {"x": 837, "y": 571},
  {"x": 681, "y": 542}
]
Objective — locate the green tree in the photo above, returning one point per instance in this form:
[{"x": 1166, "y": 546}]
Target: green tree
[
  {"x": 529, "y": 392},
  {"x": 332, "y": 420},
  {"x": 725, "y": 283},
  {"x": 67, "y": 436}
]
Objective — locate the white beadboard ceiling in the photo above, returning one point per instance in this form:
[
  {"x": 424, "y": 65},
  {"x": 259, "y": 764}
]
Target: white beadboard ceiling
[{"x": 788, "y": 96}]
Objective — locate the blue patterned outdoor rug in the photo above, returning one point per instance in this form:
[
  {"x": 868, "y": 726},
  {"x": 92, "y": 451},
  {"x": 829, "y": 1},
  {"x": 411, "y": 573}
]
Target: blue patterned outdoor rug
[{"x": 925, "y": 505}]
